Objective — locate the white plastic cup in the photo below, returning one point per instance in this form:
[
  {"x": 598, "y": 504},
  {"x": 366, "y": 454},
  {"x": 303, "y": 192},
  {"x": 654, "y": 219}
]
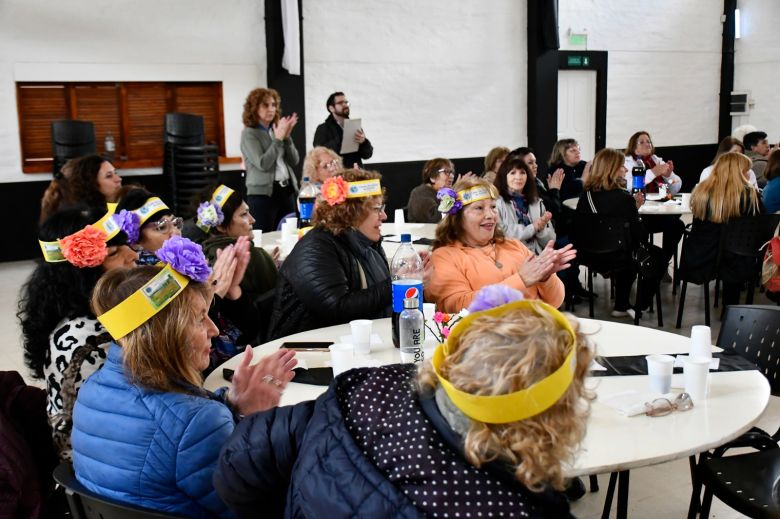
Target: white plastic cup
[
  {"x": 696, "y": 374},
  {"x": 429, "y": 309},
  {"x": 398, "y": 217},
  {"x": 686, "y": 200},
  {"x": 292, "y": 224},
  {"x": 257, "y": 237},
  {"x": 659, "y": 369},
  {"x": 341, "y": 357},
  {"x": 288, "y": 243},
  {"x": 701, "y": 343},
  {"x": 361, "y": 336}
]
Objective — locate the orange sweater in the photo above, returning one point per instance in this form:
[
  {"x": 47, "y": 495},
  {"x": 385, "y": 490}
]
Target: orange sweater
[{"x": 460, "y": 271}]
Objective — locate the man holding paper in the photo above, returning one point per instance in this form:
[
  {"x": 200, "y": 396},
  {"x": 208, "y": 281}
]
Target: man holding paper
[{"x": 342, "y": 135}]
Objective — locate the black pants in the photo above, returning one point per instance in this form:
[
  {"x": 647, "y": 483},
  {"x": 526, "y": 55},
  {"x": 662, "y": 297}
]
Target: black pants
[
  {"x": 670, "y": 225},
  {"x": 268, "y": 211}
]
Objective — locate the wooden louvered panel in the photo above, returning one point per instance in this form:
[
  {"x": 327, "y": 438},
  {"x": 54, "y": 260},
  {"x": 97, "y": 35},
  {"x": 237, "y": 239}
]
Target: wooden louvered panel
[
  {"x": 40, "y": 105},
  {"x": 98, "y": 103},
  {"x": 146, "y": 107},
  {"x": 202, "y": 99}
]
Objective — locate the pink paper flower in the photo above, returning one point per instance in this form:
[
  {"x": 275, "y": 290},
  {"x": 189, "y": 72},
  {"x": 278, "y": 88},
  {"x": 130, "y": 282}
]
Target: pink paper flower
[
  {"x": 445, "y": 332},
  {"x": 85, "y": 248},
  {"x": 439, "y": 317}
]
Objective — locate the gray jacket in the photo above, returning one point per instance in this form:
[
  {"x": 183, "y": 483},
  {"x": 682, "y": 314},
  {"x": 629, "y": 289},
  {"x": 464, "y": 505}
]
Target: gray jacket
[
  {"x": 260, "y": 152},
  {"x": 507, "y": 222}
]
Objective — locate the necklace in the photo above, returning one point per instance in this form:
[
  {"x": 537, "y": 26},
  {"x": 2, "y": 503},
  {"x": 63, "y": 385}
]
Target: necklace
[{"x": 493, "y": 256}]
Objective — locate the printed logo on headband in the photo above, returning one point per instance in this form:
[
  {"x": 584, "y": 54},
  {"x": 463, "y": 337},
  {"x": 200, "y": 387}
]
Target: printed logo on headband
[
  {"x": 221, "y": 194},
  {"x": 152, "y": 206},
  {"x": 161, "y": 289},
  {"x": 363, "y": 188},
  {"x": 475, "y": 194},
  {"x": 52, "y": 252},
  {"x": 108, "y": 225}
]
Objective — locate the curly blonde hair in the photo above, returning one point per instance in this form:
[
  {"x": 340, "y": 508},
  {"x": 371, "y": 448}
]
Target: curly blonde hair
[
  {"x": 340, "y": 217},
  {"x": 502, "y": 354},
  {"x": 450, "y": 229},
  {"x": 253, "y": 102},
  {"x": 314, "y": 157}
]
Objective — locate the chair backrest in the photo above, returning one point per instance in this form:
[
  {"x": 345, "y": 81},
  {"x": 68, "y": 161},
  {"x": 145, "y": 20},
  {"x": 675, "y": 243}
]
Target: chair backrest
[
  {"x": 71, "y": 139},
  {"x": 753, "y": 332},
  {"x": 744, "y": 236},
  {"x": 85, "y": 504},
  {"x": 184, "y": 129},
  {"x": 601, "y": 241}
]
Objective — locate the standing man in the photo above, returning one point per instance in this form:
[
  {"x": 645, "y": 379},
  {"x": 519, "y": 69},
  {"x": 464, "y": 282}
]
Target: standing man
[
  {"x": 757, "y": 149},
  {"x": 331, "y": 132}
]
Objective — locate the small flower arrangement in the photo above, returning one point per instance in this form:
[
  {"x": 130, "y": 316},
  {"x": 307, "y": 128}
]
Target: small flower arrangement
[
  {"x": 449, "y": 203},
  {"x": 85, "y": 248},
  {"x": 209, "y": 215},
  {"x": 334, "y": 190},
  {"x": 185, "y": 257},
  {"x": 442, "y": 324},
  {"x": 130, "y": 223}
]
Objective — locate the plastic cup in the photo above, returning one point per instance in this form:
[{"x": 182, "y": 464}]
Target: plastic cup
[
  {"x": 292, "y": 225},
  {"x": 398, "y": 217},
  {"x": 659, "y": 369},
  {"x": 429, "y": 309},
  {"x": 288, "y": 243},
  {"x": 701, "y": 343},
  {"x": 696, "y": 374},
  {"x": 257, "y": 237},
  {"x": 341, "y": 355},
  {"x": 361, "y": 335},
  {"x": 686, "y": 200}
]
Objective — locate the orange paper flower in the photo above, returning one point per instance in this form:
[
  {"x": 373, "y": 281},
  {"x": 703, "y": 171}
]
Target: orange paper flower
[
  {"x": 85, "y": 248},
  {"x": 334, "y": 190}
]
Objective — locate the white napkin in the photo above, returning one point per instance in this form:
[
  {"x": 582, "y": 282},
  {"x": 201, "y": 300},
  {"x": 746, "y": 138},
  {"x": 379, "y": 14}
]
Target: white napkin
[{"x": 631, "y": 402}]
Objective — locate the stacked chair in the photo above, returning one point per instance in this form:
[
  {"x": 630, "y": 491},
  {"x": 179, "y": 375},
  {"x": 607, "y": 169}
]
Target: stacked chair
[
  {"x": 190, "y": 164},
  {"x": 71, "y": 139}
]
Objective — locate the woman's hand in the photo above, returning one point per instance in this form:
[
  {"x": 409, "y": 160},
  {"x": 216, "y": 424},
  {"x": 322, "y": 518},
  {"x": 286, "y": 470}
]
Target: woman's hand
[
  {"x": 223, "y": 271},
  {"x": 241, "y": 248},
  {"x": 639, "y": 198},
  {"x": 539, "y": 268},
  {"x": 542, "y": 222},
  {"x": 292, "y": 120},
  {"x": 556, "y": 179},
  {"x": 259, "y": 387},
  {"x": 276, "y": 255},
  {"x": 427, "y": 267},
  {"x": 661, "y": 170}
]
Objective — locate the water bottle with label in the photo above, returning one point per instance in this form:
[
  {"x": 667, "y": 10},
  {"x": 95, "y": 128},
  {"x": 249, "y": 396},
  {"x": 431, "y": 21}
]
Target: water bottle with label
[
  {"x": 638, "y": 177},
  {"x": 406, "y": 270},
  {"x": 307, "y": 197},
  {"x": 412, "y": 332}
]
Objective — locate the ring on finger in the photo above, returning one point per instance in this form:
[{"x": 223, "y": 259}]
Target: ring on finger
[{"x": 271, "y": 380}]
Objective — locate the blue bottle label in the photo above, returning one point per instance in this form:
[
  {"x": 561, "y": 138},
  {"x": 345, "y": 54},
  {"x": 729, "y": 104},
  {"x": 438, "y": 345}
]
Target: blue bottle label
[
  {"x": 306, "y": 208},
  {"x": 404, "y": 288}
]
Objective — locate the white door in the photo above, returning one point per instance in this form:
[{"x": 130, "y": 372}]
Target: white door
[{"x": 577, "y": 108}]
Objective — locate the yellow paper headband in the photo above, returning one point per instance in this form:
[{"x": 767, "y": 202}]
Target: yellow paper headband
[
  {"x": 519, "y": 405},
  {"x": 221, "y": 194},
  {"x": 152, "y": 206},
  {"x": 52, "y": 251},
  {"x": 363, "y": 188},
  {"x": 475, "y": 194},
  {"x": 144, "y": 303}
]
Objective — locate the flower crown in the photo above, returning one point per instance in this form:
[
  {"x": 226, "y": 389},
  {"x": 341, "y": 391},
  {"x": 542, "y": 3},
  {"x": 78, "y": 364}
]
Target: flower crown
[
  {"x": 84, "y": 248},
  {"x": 210, "y": 213},
  {"x": 336, "y": 190},
  {"x": 131, "y": 221},
  {"x": 518, "y": 405},
  {"x": 451, "y": 202},
  {"x": 184, "y": 261}
]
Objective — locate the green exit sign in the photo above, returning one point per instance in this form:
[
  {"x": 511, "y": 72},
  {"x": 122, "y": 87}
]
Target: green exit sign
[{"x": 578, "y": 61}]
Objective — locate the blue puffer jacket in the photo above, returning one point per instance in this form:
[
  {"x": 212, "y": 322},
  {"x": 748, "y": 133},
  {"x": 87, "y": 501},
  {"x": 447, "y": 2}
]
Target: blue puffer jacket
[{"x": 150, "y": 449}]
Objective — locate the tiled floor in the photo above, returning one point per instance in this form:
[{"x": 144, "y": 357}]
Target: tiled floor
[{"x": 657, "y": 491}]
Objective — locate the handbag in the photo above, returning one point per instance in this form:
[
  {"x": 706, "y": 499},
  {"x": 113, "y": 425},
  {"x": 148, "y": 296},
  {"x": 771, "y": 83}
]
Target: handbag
[{"x": 770, "y": 270}]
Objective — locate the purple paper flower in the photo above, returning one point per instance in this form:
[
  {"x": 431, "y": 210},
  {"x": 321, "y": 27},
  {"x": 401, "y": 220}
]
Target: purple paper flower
[
  {"x": 210, "y": 215},
  {"x": 449, "y": 203},
  {"x": 186, "y": 257},
  {"x": 130, "y": 224},
  {"x": 492, "y": 296}
]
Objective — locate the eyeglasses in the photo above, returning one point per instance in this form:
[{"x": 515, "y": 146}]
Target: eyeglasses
[
  {"x": 378, "y": 209},
  {"x": 446, "y": 170},
  {"x": 574, "y": 148},
  {"x": 664, "y": 406},
  {"x": 330, "y": 165},
  {"x": 344, "y": 102},
  {"x": 164, "y": 226}
]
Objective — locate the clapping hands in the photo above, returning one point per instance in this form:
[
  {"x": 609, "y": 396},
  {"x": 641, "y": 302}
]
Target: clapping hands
[
  {"x": 258, "y": 387},
  {"x": 284, "y": 127},
  {"x": 538, "y": 269}
]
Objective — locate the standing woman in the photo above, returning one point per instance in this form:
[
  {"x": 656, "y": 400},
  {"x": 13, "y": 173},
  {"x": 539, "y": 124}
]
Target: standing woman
[
  {"x": 269, "y": 156},
  {"x": 63, "y": 341},
  {"x": 521, "y": 212},
  {"x": 567, "y": 156},
  {"x": 421, "y": 207}
]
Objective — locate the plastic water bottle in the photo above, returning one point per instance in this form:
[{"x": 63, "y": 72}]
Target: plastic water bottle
[
  {"x": 307, "y": 196},
  {"x": 406, "y": 269},
  {"x": 412, "y": 331},
  {"x": 638, "y": 177},
  {"x": 110, "y": 146}
]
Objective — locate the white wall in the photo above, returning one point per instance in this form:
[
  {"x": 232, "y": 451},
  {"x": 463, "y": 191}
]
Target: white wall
[
  {"x": 128, "y": 40},
  {"x": 757, "y": 64},
  {"x": 664, "y": 65},
  {"x": 434, "y": 78}
]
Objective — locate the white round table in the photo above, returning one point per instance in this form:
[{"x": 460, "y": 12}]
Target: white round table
[
  {"x": 650, "y": 207},
  {"x": 613, "y": 442}
]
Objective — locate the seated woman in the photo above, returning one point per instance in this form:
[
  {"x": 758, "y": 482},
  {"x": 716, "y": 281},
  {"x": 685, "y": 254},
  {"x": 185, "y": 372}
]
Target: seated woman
[
  {"x": 771, "y": 193},
  {"x": 148, "y": 222},
  {"x": 726, "y": 145},
  {"x": 421, "y": 207},
  {"x": 145, "y": 432},
  {"x": 86, "y": 181},
  {"x": 567, "y": 156},
  {"x": 63, "y": 341},
  {"x": 288, "y": 461},
  {"x": 724, "y": 195},
  {"x": 604, "y": 189},
  {"x": 320, "y": 164},
  {"x": 338, "y": 271},
  {"x": 493, "y": 162},
  {"x": 470, "y": 252},
  {"x": 521, "y": 213}
]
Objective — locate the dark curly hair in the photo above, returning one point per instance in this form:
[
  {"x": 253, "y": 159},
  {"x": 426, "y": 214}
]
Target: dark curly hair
[
  {"x": 252, "y": 103},
  {"x": 340, "y": 217},
  {"x": 82, "y": 184},
  {"x": 56, "y": 291}
]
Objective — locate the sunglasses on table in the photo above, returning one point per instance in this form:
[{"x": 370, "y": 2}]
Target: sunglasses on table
[{"x": 664, "y": 406}]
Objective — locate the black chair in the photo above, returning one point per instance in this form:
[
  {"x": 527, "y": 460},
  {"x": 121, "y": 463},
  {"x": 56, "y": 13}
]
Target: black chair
[
  {"x": 748, "y": 482},
  {"x": 85, "y": 504},
  {"x": 704, "y": 282},
  {"x": 184, "y": 129},
  {"x": 71, "y": 139}
]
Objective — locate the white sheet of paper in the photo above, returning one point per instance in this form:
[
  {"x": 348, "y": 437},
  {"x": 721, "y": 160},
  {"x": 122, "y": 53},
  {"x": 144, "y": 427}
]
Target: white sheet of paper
[{"x": 348, "y": 144}]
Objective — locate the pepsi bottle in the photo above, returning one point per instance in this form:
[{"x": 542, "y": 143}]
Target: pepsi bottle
[
  {"x": 406, "y": 269},
  {"x": 638, "y": 177}
]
